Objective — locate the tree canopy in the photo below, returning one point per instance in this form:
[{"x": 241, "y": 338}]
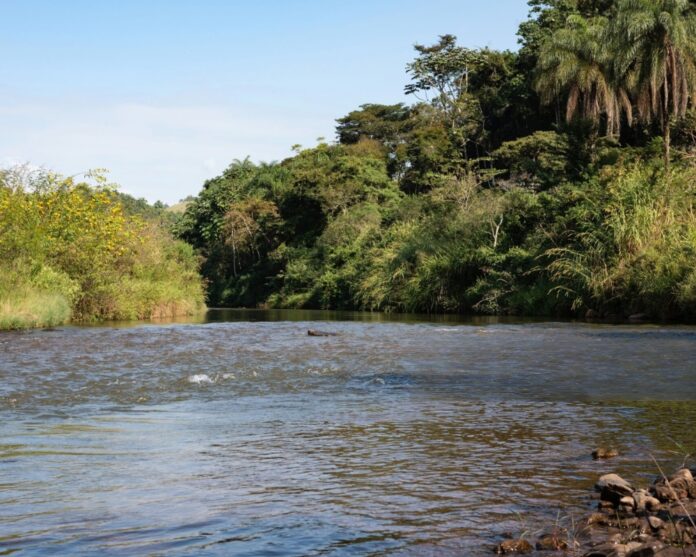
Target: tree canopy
[{"x": 532, "y": 182}]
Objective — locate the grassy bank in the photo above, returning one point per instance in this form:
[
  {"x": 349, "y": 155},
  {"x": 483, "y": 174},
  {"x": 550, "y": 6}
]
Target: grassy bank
[
  {"x": 71, "y": 252},
  {"x": 28, "y": 308}
]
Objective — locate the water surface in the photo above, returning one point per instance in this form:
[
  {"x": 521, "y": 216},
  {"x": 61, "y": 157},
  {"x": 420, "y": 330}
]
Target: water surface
[{"x": 239, "y": 434}]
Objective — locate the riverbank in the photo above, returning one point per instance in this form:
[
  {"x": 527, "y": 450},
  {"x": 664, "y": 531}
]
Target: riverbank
[
  {"x": 73, "y": 252},
  {"x": 628, "y": 522},
  {"x": 27, "y": 307}
]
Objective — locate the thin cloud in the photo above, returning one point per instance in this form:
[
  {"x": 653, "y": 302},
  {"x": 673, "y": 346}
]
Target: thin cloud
[{"x": 162, "y": 152}]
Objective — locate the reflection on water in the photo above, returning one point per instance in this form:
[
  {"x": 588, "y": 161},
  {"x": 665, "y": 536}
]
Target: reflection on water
[{"x": 242, "y": 435}]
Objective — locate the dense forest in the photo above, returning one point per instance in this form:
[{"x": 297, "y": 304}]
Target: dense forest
[{"x": 555, "y": 180}]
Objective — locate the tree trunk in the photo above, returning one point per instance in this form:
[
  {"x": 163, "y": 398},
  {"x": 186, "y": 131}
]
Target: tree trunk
[
  {"x": 666, "y": 122},
  {"x": 667, "y": 137}
]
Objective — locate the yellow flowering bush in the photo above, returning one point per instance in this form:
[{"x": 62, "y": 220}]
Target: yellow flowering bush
[{"x": 75, "y": 240}]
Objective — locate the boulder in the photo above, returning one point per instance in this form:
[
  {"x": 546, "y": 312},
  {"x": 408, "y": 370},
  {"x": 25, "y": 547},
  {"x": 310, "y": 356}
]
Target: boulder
[
  {"x": 679, "y": 486},
  {"x": 613, "y": 488},
  {"x": 614, "y": 481}
]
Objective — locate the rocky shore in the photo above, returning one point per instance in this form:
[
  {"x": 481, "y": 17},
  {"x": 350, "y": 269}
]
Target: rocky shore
[{"x": 628, "y": 522}]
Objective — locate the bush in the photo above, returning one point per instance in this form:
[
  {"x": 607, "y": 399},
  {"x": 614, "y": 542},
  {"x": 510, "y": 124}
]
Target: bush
[{"x": 71, "y": 251}]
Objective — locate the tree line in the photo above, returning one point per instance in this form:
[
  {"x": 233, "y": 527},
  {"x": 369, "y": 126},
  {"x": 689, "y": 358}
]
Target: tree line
[{"x": 554, "y": 180}]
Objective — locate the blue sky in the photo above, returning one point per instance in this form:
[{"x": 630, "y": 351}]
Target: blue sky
[{"x": 167, "y": 93}]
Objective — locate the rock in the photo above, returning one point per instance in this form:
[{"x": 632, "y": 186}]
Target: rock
[
  {"x": 662, "y": 493},
  {"x": 514, "y": 546},
  {"x": 676, "y": 534},
  {"x": 615, "y": 482},
  {"x": 643, "y": 550},
  {"x": 315, "y": 333},
  {"x": 683, "y": 474},
  {"x": 551, "y": 542},
  {"x": 692, "y": 490},
  {"x": 601, "y": 453},
  {"x": 613, "y": 488},
  {"x": 627, "y": 501},
  {"x": 645, "y": 502},
  {"x": 679, "y": 486},
  {"x": 655, "y": 522},
  {"x": 603, "y": 550},
  {"x": 599, "y": 519},
  {"x": 640, "y": 497},
  {"x": 630, "y": 522}
]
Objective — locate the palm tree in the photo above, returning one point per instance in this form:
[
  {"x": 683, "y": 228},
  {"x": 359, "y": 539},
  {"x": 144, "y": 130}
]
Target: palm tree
[
  {"x": 575, "y": 62},
  {"x": 655, "y": 45}
]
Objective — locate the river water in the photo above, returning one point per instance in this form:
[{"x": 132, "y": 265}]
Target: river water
[{"x": 240, "y": 434}]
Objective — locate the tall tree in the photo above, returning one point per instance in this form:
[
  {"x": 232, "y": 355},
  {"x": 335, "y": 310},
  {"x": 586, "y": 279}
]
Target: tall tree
[
  {"x": 655, "y": 45},
  {"x": 441, "y": 74},
  {"x": 575, "y": 62}
]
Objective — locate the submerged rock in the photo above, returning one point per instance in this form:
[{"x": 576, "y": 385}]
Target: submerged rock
[
  {"x": 316, "y": 333},
  {"x": 552, "y": 542},
  {"x": 601, "y": 453},
  {"x": 519, "y": 547}
]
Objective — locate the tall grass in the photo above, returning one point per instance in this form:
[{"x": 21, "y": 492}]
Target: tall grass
[
  {"x": 29, "y": 308},
  {"x": 633, "y": 248},
  {"x": 34, "y": 295}
]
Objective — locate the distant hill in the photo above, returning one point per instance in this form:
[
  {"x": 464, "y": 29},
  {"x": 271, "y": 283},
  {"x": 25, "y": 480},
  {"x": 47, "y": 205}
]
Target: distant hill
[{"x": 179, "y": 208}]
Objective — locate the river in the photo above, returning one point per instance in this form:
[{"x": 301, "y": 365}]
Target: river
[{"x": 239, "y": 434}]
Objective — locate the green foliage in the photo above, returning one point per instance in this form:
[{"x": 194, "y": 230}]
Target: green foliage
[
  {"x": 34, "y": 295},
  {"x": 479, "y": 197},
  {"x": 74, "y": 246},
  {"x": 628, "y": 244},
  {"x": 537, "y": 161}
]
